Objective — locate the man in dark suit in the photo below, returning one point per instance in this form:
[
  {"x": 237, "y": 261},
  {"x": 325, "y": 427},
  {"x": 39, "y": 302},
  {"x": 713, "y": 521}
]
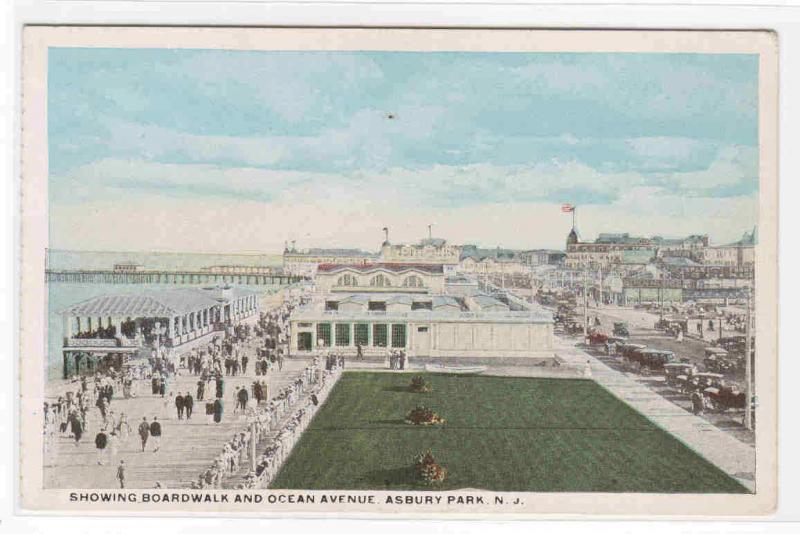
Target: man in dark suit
[
  {"x": 188, "y": 403},
  {"x": 179, "y": 404},
  {"x": 155, "y": 433},
  {"x": 242, "y": 396}
]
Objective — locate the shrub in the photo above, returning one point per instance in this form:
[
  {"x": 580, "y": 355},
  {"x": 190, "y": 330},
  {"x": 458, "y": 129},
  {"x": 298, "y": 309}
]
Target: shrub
[
  {"x": 423, "y": 416},
  {"x": 426, "y": 470},
  {"x": 418, "y": 385}
]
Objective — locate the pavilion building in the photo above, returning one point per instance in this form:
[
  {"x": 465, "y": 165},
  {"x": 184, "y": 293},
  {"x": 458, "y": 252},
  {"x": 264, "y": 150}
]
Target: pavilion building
[
  {"x": 408, "y": 306},
  {"x": 109, "y": 330}
]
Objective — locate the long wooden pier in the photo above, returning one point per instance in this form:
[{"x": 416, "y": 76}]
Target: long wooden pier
[{"x": 110, "y": 276}]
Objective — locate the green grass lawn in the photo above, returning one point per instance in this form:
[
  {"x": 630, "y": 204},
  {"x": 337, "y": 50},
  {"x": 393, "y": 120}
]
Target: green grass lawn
[{"x": 502, "y": 434}]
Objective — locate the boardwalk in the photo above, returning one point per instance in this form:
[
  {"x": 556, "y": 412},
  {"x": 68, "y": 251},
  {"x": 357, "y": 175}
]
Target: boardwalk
[
  {"x": 108, "y": 276},
  {"x": 187, "y": 447}
]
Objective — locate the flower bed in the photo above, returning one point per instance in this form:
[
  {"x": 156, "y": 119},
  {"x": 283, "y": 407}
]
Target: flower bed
[
  {"x": 418, "y": 385},
  {"x": 426, "y": 470},
  {"x": 423, "y": 416}
]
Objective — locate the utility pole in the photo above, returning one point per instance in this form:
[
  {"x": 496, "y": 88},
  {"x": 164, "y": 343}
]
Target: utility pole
[
  {"x": 600, "y": 274},
  {"x": 748, "y": 371},
  {"x": 585, "y": 308}
]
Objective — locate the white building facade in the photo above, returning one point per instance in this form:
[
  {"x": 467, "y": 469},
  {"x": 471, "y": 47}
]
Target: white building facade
[{"x": 353, "y": 307}]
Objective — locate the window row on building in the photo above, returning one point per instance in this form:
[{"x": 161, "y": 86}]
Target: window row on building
[
  {"x": 351, "y": 334},
  {"x": 380, "y": 280}
]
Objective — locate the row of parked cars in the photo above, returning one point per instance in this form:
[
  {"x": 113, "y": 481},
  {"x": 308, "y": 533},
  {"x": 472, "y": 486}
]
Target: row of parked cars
[{"x": 680, "y": 375}]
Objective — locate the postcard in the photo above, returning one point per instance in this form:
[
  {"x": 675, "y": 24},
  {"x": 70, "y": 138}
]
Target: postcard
[{"x": 398, "y": 272}]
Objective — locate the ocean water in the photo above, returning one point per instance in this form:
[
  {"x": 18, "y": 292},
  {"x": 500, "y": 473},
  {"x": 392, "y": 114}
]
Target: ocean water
[
  {"x": 62, "y": 295},
  {"x": 70, "y": 259}
]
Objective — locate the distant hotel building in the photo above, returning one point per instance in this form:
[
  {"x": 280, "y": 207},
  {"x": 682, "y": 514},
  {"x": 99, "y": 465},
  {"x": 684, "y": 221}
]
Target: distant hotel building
[
  {"x": 305, "y": 262},
  {"x": 620, "y": 250},
  {"x": 431, "y": 251},
  {"x": 491, "y": 261},
  {"x": 737, "y": 254},
  {"x": 627, "y": 270},
  {"x": 408, "y": 306}
]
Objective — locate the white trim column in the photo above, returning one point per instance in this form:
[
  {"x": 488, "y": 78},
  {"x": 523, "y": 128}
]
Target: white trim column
[{"x": 66, "y": 323}]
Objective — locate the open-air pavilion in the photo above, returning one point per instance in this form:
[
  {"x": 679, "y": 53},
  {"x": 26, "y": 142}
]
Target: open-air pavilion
[{"x": 109, "y": 330}]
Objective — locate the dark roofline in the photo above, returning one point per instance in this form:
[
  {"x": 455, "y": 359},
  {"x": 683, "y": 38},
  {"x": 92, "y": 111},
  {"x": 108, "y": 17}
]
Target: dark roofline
[{"x": 395, "y": 267}]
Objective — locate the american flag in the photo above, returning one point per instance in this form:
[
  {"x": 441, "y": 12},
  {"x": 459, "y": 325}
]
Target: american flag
[{"x": 567, "y": 208}]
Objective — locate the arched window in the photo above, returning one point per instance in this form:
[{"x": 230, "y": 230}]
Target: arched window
[
  {"x": 380, "y": 281},
  {"x": 347, "y": 280},
  {"x": 412, "y": 281}
]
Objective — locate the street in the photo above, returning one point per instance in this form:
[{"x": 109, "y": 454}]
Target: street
[{"x": 641, "y": 325}]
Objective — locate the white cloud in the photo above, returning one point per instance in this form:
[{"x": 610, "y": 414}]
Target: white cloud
[
  {"x": 205, "y": 207},
  {"x": 671, "y": 148},
  {"x": 152, "y": 142},
  {"x": 734, "y": 165}
]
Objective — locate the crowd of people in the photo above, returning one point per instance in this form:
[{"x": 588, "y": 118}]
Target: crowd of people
[
  {"x": 287, "y": 435},
  {"x": 263, "y": 418},
  {"x": 91, "y": 398},
  {"x": 397, "y": 359}
]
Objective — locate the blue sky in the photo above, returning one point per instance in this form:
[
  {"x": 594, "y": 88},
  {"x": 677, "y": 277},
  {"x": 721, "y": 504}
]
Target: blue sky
[{"x": 299, "y": 145}]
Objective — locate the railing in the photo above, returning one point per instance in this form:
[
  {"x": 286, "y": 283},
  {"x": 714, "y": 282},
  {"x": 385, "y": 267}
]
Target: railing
[
  {"x": 91, "y": 342},
  {"x": 335, "y": 315}
]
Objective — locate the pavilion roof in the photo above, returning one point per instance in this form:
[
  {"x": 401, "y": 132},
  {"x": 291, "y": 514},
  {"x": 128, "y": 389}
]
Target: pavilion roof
[{"x": 145, "y": 304}]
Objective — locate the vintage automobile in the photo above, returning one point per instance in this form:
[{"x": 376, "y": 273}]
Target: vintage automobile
[
  {"x": 614, "y": 344},
  {"x": 573, "y": 328},
  {"x": 597, "y": 338},
  {"x": 621, "y": 330},
  {"x": 627, "y": 349},
  {"x": 733, "y": 344},
  {"x": 678, "y": 375},
  {"x": 724, "y": 397},
  {"x": 704, "y": 380},
  {"x": 672, "y": 325},
  {"x": 649, "y": 361},
  {"x": 719, "y": 360},
  {"x": 662, "y": 323}
]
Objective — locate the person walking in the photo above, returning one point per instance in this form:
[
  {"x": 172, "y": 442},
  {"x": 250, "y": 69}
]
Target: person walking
[
  {"x": 242, "y": 398},
  {"x": 179, "y": 404},
  {"x": 155, "y": 433},
  {"x": 76, "y": 426},
  {"x": 220, "y": 386},
  {"x": 100, "y": 442},
  {"x": 144, "y": 432},
  {"x": 188, "y": 404},
  {"x": 201, "y": 389},
  {"x": 218, "y": 410},
  {"x": 698, "y": 404},
  {"x": 121, "y": 474},
  {"x": 113, "y": 446}
]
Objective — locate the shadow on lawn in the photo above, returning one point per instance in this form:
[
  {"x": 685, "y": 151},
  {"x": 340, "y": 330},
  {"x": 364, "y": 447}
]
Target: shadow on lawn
[
  {"x": 389, "y": 478},
  {"x": 388, "y": 422},
  {"x": 398, "y": 389}
]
